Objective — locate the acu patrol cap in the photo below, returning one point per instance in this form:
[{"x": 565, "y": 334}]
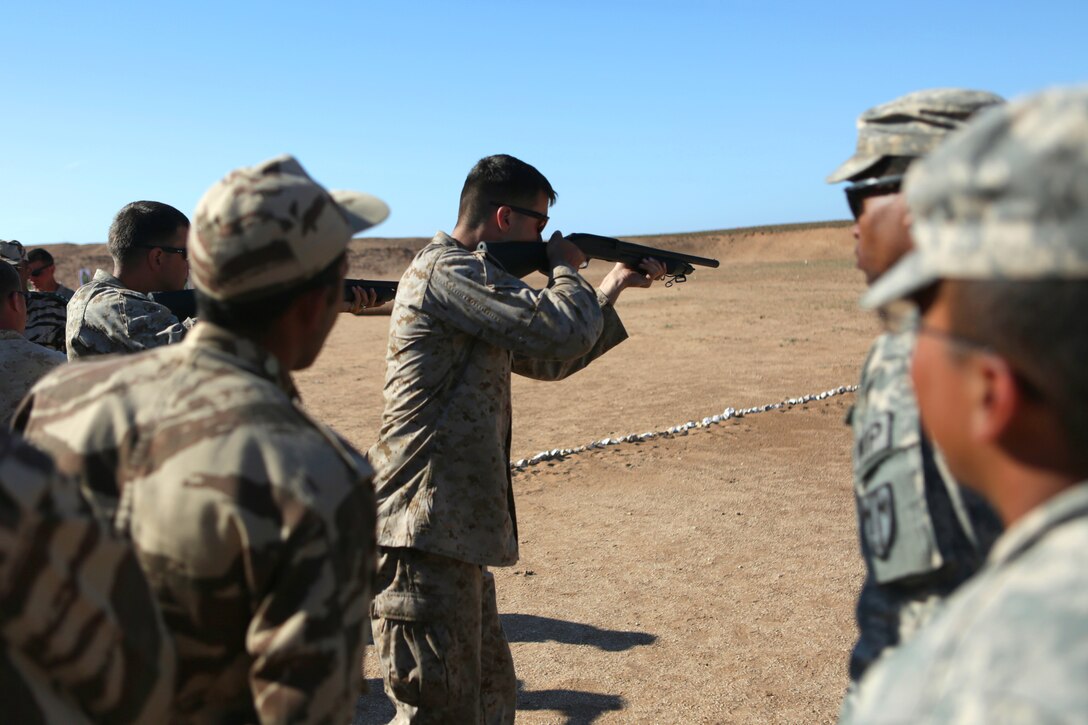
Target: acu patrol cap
[
  {"x": 911, "y": 125},
  {"x": 1006, "y": 199},
  {"x": 266, "y": 228},
  {"x": 12, "y": 252}
]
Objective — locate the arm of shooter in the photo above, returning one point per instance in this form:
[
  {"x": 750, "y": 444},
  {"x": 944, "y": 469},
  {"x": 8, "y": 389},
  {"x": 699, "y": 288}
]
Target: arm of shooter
[{"x": 561, "y": 322}]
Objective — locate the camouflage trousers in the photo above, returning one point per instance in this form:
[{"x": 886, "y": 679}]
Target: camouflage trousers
[{"x": 443, "y": 654}]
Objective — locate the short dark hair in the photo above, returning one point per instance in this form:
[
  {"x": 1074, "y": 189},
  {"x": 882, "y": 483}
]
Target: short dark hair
[
  {"x": 40, "y": 255},
  {"x": 10, "y": 281},
  {"x": 253, "y": 318},
  {"x": 501, "y": 178},
  {"x": 143, "y": 224},
  {"x": 1037, "y": 327}
]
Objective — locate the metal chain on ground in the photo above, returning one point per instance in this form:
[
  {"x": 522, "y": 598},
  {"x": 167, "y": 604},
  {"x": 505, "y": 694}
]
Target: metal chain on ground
[{"x": 678, "y": 430}]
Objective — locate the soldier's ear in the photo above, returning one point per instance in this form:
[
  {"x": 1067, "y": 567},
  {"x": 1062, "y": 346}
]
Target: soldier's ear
[
  {"x": 995, "y": 396},
  {"x": 502, "y": 217},
  {"x": 154, "y": 258}
]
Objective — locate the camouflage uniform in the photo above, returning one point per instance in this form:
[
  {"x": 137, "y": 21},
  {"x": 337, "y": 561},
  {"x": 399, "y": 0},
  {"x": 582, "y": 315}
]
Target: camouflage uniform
[
  {"x": 921, "y": 534},
  {"x": 21, "y": 364},
  {"x": 253, "y": 521},
  {"x": 46, "y": 316},
  {"x": 81, "y": 639},
  {"x": 104, "y": 316},
  {"x": 460, "y": 326},
  {"x": 1004, "y": 200}
]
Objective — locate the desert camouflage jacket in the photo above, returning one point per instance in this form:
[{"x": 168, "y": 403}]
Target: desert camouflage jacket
[
  {"x": 1009, "y": 645},
  {"x": 104, "y": 316},
  {"x": 460, "y": 326},
  {"x": 81, "y": 639},
  {"x": 46, "y": 317},
  {"x": 22, "y": 363},
  {"x": 254, "y": 522},
  {"x": 921, "y": 534}
]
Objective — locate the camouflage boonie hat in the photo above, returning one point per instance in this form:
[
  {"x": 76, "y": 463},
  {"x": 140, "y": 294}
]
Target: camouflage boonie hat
[
  {"x": 265, "y": 228},
  {"x": 12, "y": 252},
  {"x": 1005, "y": 199},
  {"x": 911, "y": 125}
]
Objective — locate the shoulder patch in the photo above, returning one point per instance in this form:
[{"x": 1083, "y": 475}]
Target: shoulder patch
[{"x": 878, "y": 520}]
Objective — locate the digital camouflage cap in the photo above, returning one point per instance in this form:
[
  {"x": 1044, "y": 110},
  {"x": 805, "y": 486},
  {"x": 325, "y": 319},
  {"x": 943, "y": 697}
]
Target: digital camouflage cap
[
  {"x": 911, "y": 125},
  {"x": 1005, "y": 199},
  {"x": 266, "y": 228},
  {"x": 12, "y": 252}
]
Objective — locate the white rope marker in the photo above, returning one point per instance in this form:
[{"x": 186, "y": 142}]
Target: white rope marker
[{"x": 678, "y": 430}]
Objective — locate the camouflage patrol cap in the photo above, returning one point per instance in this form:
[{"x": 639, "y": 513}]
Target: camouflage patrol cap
[
  {"x": 12, "y": 252},
  {"x": 911, "y": 125},
  {"x": 1005, "y": 199},
  {"x": 266, "y": 228}
]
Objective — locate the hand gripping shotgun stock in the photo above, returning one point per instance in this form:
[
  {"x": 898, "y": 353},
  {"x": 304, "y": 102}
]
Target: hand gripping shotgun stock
[
  {"x": 521, "y": 258},
  {"x": 183, "y": 302}
]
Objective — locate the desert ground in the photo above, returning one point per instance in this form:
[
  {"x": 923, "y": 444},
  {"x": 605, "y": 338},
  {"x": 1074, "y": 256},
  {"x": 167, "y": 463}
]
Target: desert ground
[{"x": 700, "y": 578}]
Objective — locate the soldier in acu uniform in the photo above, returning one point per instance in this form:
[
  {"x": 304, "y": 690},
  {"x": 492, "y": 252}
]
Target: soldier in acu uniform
[
  {"x": 81, "y": 639},
  {"x": 921, "y": 534},
  {"x": 114, "y": 312},
  {"x": 253, "y": 521},
  {"x": 999, "y": 282},
  {"x": 460, "y": 326},
  {"x": 22, "y": 362}
]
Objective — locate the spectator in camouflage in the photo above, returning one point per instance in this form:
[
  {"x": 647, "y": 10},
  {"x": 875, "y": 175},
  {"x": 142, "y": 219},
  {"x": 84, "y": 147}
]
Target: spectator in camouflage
[
  {"x": 81, "y": 638},
  {"x": 45, "y": 311},
  {"x": 921, "y": 534},
  {"x": 461, "y": 326},
  {"x": 42, "y": 269},
  {"x": 113, "y": 313},
  {"x": 253, "y": 521},
  {"x": 999, "y": 285},
  {"x": 21, "y": 361}
]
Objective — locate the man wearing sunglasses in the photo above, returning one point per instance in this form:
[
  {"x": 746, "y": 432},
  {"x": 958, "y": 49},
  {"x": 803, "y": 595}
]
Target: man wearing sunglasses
[
  {"x": 114, "y": 313},
  {"x": 921, "y": 536},
  {"x": 22, "y": 362},
  {"x": 42, "y": 270},
  {"x": 999, "y": 282},
  {"x": 461, "y": 326},
  {"x": 45, "y": 311}
]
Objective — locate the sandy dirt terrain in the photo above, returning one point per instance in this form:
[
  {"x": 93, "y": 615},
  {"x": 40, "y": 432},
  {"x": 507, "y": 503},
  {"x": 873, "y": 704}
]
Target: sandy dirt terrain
[{"x": 704, "y": 578}]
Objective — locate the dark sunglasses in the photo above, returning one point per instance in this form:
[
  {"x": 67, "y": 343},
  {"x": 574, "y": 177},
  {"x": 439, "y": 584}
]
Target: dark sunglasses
[
  {"x": 39, "y": 271},
  {"x": 172, "y": 250},
  {"x": 856, "y": 194},
  {"x": 526, "y": 212}
]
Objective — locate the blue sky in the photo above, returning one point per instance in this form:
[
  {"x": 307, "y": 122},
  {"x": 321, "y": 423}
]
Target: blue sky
[{"x": 647, "y": 117}]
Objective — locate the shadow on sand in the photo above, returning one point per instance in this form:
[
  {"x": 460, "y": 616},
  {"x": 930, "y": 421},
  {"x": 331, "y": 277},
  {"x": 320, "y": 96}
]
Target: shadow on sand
[
  {"x": 577, "y": 707},
  {"x": 530, "y": 628}
]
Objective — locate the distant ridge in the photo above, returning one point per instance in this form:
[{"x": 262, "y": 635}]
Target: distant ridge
[{"x": 764, "y": 229}]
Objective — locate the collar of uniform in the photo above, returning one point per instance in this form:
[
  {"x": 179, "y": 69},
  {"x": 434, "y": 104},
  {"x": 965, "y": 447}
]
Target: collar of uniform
[
  {"x": 1025, "y": 533},
  {"x": 10, "y": 335},
  {"x": 445, "y": 240},
  {"x": 105, "y": 278},
  {"x": 243, "y": 353}
]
